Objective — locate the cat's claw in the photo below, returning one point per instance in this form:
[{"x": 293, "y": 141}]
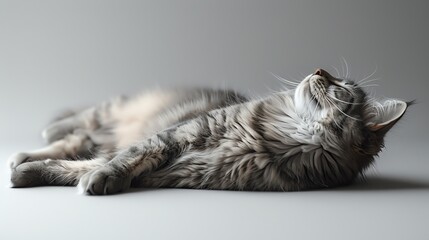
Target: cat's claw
[{"x": 103, "y": 181}]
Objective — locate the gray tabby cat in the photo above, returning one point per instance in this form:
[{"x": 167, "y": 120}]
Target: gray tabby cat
[{"x": 322, "y": 134}]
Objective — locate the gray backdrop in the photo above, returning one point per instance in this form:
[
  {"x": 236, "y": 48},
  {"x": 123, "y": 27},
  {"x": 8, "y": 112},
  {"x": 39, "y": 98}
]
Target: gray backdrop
[{"x": 59, "y": 54}]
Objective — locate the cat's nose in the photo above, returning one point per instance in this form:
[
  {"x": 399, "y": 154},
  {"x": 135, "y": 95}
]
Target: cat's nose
[{"x": 321, "y": 72}]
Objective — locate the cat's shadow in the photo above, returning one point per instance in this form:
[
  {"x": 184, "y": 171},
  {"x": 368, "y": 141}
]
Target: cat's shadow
[
  {"x": 371, "y": 183},
  {"x": 384, "y": 183}
]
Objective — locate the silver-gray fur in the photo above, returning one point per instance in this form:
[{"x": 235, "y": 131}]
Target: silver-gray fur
[{"x": 322, "y": 134}]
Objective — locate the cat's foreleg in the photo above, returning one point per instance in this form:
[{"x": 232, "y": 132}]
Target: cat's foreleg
[
  {"x": 116, "y": 175},
  {"x": 73, "y": 145},
  {"x": 52, "y": 172}
]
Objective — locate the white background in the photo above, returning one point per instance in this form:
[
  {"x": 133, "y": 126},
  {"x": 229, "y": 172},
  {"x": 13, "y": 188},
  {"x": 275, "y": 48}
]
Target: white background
[{"x": 60, "y": 54}]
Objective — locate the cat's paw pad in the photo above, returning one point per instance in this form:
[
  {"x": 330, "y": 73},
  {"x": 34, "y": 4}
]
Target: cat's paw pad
[
  {"x": 103, "y": 181},
  {"x": 17, "y": 159}
]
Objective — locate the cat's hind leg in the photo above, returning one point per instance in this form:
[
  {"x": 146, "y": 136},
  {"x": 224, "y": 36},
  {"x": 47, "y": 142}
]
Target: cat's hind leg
[
  {"x": 72, "y": 146},
  {"x": 89, "y": 119},
  {"x": 63, "y": 126},
  {"x": 53, "y": 172}
]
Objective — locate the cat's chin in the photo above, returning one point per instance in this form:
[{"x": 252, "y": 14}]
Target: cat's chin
[{"x": 309, "y": 104}]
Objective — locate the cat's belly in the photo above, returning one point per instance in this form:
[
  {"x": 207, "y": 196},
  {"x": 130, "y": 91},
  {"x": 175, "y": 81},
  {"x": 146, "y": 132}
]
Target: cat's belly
[{"x": 131, "y": 120}]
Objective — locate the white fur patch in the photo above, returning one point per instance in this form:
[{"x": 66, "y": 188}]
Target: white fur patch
[{"x": 132, "y": 117}]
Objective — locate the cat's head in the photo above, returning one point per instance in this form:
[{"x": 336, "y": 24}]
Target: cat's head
[{"x": 354, "y": 122}]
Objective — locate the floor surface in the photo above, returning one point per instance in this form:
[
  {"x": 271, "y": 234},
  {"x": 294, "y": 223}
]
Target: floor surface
[{"x": 392, "y": 204}]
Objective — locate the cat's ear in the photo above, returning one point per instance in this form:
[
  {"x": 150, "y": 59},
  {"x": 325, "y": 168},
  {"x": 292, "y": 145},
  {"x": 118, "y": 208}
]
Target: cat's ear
[{"x": 381, "y": 116}]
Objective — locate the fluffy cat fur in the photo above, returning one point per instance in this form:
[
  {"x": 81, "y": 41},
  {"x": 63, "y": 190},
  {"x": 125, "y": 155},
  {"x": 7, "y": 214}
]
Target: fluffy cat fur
[{"x": 322, "y": 134}]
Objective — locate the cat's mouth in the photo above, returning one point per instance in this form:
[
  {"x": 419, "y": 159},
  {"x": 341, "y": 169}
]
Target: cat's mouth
[
  {"x": 318, "y": 87},
  {"x": 323, "y": 91}
]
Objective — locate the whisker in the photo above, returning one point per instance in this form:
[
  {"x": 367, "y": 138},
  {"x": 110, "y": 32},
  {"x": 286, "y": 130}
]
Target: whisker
[
  {"x": 272, "y": 91},
  {"x": 375, "y": 70},
  {"x": 347, "y": 67},
  {"x": 293, "y": 79},
  {"x": 341, "y": 110},
  {"x": 346, "y": 90},
  {"x": 336, "y": 70},
  {"x": 284, "y": 80},
  {"x": 342, "y": 69},
  {"x": 296, "y": 80},
  {"x": 333, "y": 118},
  {"x": 368, "y": 81},
  {"x": 339, "y": 100},
  {"x": 313, "y": 98},
  {"x": 369, "y": 85}
]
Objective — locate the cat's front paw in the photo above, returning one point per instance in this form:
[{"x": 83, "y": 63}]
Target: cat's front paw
[
  {"x": 18, "y": 158},
  {"x": 102, "y": 181},
  {"x": 29, "y": 174}
]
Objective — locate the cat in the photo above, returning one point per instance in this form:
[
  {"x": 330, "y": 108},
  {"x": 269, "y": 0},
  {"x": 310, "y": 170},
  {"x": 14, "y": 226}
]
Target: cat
[{"x": 324, "y": 133}]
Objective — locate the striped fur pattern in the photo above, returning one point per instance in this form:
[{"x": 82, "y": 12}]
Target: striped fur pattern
[{"x": 322, "y": 134}]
